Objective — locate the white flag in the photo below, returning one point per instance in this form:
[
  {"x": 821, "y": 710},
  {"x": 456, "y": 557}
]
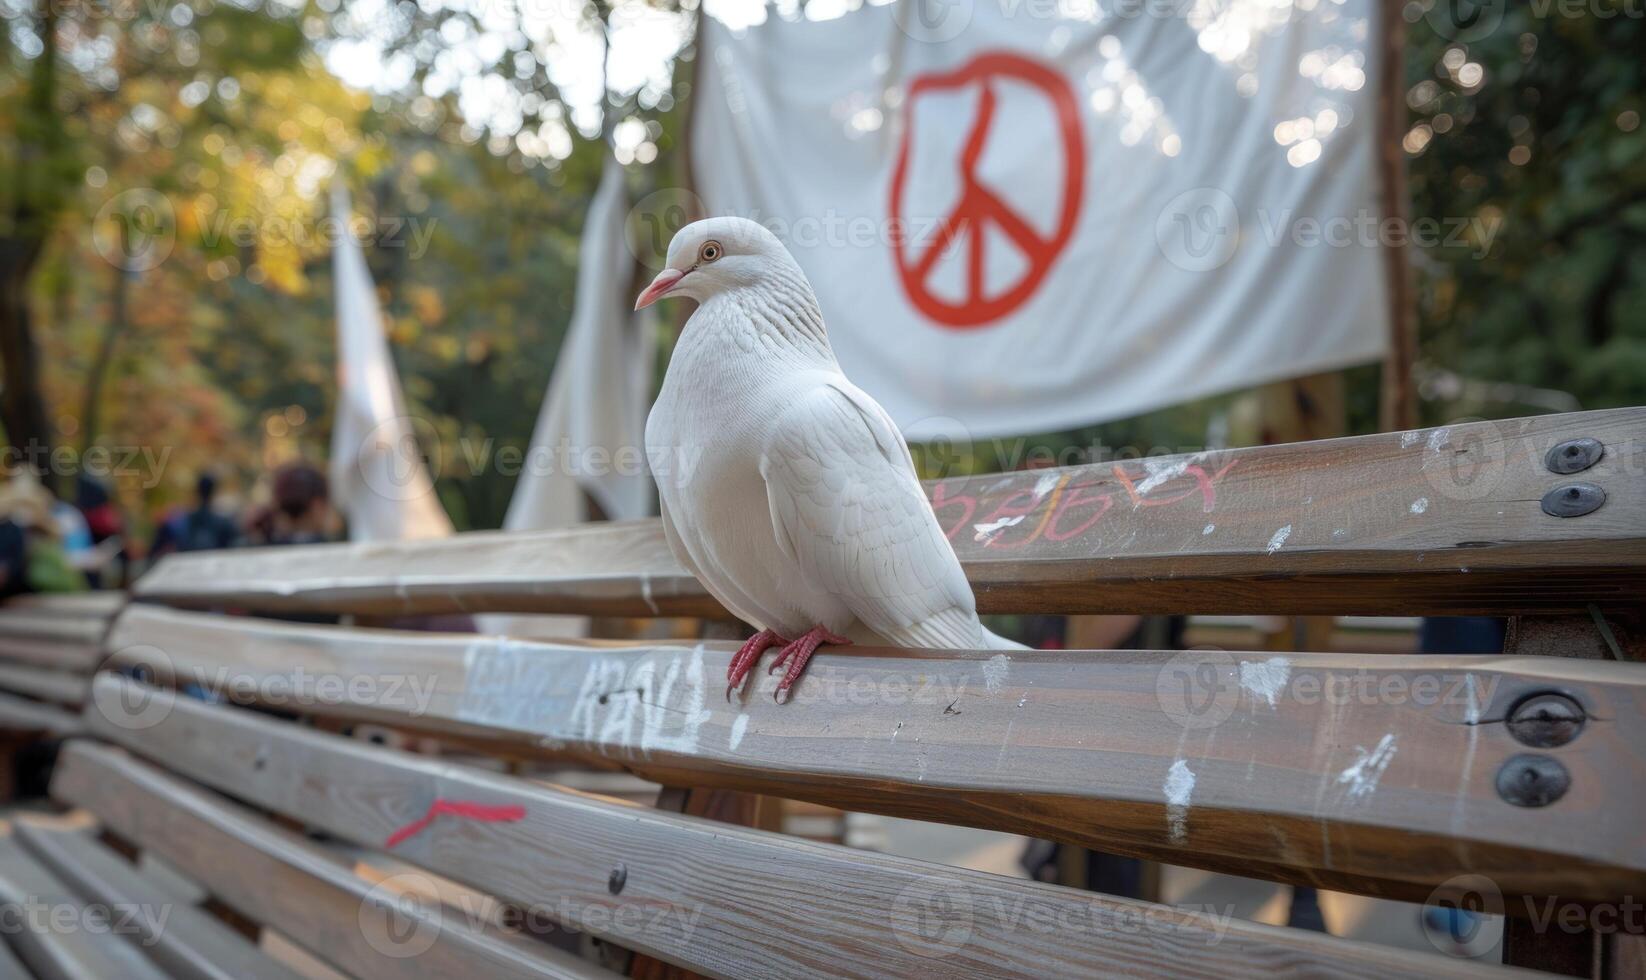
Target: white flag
[
  {"x": 591, "y": 430},
  {"x": 378, "y": 479},
  {"x": 1028, "y": 215}
]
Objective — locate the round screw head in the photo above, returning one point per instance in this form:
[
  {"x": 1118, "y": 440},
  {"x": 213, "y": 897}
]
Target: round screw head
[
  {"x": 619, "y": 878},
  {"x": 1574, "y": 455},
  {"x": 1545, "y": 721},
  {"x": 1573, "y": 500},
  {"x": 1532, "y": 780}
]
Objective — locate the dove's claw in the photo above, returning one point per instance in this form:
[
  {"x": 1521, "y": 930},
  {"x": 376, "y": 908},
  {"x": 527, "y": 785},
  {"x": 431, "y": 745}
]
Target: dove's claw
[
  {"x": 743, "y": 661},
  {"x": 797, "y": 653}
]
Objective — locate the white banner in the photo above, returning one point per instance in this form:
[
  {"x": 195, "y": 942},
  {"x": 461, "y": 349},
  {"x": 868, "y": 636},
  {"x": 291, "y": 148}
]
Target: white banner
[
  {"x": 591, "y": 428},
  {"x": 1029, "y": 215},
  {"x": 378, "y": 479},
  {"x": 590, "y": 435}
]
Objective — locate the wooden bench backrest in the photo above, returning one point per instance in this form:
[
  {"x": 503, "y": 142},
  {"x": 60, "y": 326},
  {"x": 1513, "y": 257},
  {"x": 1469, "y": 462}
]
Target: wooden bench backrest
[
  {"x": 1444, "y": 521},
  {"x": 1383, "y": 775}
]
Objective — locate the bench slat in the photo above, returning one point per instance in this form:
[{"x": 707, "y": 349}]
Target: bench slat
[
  {"x": 1436, "y": 522},
  {"x": 22, "y": 715},
  {"x": 705, "y": 895},
  {"x": 287, "y": 883},
  {"x": 11, "y": 968},
  {"x": 51, "y": 654},
  {"x": 56, "y": 686},
  {"x": 187, "y": 943},
  {"x": 39, "y": 899},
  {"x": 101, "y": 604},
  {"x": 1365, "y": 773},
  {"x": 48, "y": 624}
]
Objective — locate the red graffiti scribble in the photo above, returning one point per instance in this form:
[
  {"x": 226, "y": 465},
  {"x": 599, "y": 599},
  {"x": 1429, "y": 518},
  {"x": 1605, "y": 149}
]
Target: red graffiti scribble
[
  {"x": 1206, "y": 486},
  {"x": 1007, "y": 509},
  {"x": 456, "y": 808},
  {"x": 968, "y": 505},
  {"x": 1065, "y": 502},
  {"x": 1051, "y": 507},
  {"x": 1071, "y": 501}
]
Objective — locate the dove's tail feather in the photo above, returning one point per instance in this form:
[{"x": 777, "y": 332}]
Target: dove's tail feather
[
  {"x": 994, "y": 641},
  {"x": 952, "y": 629}
]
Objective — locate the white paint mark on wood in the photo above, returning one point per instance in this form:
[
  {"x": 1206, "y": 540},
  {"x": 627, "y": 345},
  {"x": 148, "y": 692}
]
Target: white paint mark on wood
[
  {"x": 1420, "y": 505},
  {"x": 1362, "y": 777},
  {"x": 1208, "y": 529},
  {"x": 1439, "y": 439},
  {"x": 1162, "y": 471},
  {"x": 1409, "y": 439},
  {"x": 739, "y": 726},
  {"x": 505, "y": 683},
  {"x": 646, "y": 593},
  {"x": 988, "y": 531},
  {"x": 1472, "y": 709},
  {"x": 995, "y": 670},
  {"x": 1179, "y": 787},
  {"x": 1045, "y": 484},
  {"x": 1278, "y": 539},
  {"x": 649, "y": 703},
  {"x": 673, "y": 706},
  {"x": 1264, "y": 680}
]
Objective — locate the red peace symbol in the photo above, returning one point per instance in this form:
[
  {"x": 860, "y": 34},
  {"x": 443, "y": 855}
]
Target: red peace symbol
[{"x": 978, "y": 206}]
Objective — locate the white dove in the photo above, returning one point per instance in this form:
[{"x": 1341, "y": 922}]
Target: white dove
[{"x": 804, "y": 515}]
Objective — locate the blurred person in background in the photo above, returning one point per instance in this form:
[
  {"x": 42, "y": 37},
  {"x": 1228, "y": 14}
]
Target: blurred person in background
[
  {"x": 108, "y": 528},
  {"x": 32, "y": 557},
  {"x": 302, "y": 512},
  {"x": 203, "y": 528}
]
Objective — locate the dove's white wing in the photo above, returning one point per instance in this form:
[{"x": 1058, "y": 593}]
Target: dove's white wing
[
  {"x": 723, "y": 587},
  {"x": 849, "y": 511}
]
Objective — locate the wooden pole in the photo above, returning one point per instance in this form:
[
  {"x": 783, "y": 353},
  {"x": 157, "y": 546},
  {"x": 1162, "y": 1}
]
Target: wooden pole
[{"x": 1399, "y": 402}]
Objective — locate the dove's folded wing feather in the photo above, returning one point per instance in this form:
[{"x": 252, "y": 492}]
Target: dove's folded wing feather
[{"x": 849, "y": 510}]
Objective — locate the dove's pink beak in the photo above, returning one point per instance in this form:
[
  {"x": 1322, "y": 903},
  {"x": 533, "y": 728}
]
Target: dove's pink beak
[{"x": 659, "y": 288}]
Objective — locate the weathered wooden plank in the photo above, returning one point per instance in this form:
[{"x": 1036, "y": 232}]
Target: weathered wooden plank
[
  {"x": 1434, "y": 522},
  {"x": 1368, "y": 773},
  {"x": 722, "y": 900},
  {"x": 11, "y": 968},
  {"x": 102, "y": 604},
  {"x": 43, "y": 684},
  {"x": 56, "y": 935},
  {"x": 22, "y": 715},
  {"x": 51, "y": 654},
  {"x": 283, "y": 881},
  {"x": 50, "y": 624},
  {"x": 184, "y": 941}
]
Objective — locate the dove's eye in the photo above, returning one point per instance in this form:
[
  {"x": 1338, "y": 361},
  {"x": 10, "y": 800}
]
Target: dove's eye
[{"x": 709, "y": 252}]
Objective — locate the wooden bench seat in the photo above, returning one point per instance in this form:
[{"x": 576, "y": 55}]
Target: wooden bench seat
[
  {"x": 53, "y": 932},
  {"x": 182, "y": 940},
  {"x": 1394, "y": 775},
  {"x": 23, "y": 715},
  {"x": 707, "y": 896},
  {"x": 1067, "y": 745},
  {"x": 275, "y": 877},
  {"x": 59, "y": 687},
  {"x": 56, "y": 632}
]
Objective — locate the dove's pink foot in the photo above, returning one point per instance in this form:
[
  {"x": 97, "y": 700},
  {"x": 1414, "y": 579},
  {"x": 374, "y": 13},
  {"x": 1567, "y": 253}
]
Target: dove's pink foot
[
  {"x": 743, "y": 661},
  {"x": 797, "y": 652}
]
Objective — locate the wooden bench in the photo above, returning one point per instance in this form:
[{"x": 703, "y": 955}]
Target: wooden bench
[{"x": 1516, "y": 779}]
